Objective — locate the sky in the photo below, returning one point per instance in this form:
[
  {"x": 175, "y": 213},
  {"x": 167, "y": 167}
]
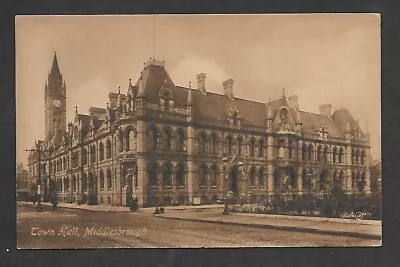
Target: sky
[{"x": 322, "y": 58}]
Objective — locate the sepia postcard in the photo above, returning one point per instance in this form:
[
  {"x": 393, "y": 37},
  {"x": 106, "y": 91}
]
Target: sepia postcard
[{"x": 193, "y": 131}]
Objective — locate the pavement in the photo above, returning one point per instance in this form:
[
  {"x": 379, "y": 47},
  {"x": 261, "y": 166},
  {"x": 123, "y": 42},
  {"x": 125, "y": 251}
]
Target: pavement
[{"x": 369, "y": 229}]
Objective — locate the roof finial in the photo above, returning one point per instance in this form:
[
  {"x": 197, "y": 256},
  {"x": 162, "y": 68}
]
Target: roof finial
[
  {"x": 283, "y": 93},
  {"x": 190, "y": 84},
  {"x": 119, "y": 90},
  {"x": 107, "y": 106},
  {"x": 76, "y": 109}
]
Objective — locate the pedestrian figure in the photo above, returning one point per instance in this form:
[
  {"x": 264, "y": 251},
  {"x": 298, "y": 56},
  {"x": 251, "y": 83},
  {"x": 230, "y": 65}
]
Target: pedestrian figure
[
  {"x": 157, "y": 211},
  {"x": 162, "y": 209}
]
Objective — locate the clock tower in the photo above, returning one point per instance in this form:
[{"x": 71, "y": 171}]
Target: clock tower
[{"x": 55, "y": 102}]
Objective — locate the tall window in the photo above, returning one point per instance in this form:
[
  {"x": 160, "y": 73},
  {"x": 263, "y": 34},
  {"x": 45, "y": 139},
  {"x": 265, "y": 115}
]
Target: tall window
[
  {"x": 101, "y": 176},
  {"x": 167, "y": 174},
  {"x": 319, "y": 153},
  {"x": 229, "y": 144},
  {"x": 326, "y": 154},
  {"x": 84, "y": 156},
  {"x": 240, "y": 145},
  {"x": 120, "y": 140},
  {"x": 261, "y": 148},
  {"x": 335, "y": 155},
  {"x": 202, "y": 175},
  {"x": 252, "y": 176},
  {"x": 214, "y": 175},
  {"x": 261, "y": 177},
  {"x": 341, "y": 155},
  {"x": 305, "y": 152},
  {"x": 109, "y": 179},
  {"x": 167, "y": 139},
  {"x": 92, "y": 154},
  {"x": 252, "y": 146},
  {"x": 213, "y": 144},
  {"x": 362, "y": 161},
  {"x": 101, "y": 151},
  {"x": 180, "y": 144},
  {"x": 290, "y": 148},
  {"x": 180, "y": 175},
  {"x": 130, "y": 140},
  {"x": 152, "y": 173},
  {"x": 202, "y": 142},
  {"x": 310, "y": 153},
  {"x": 152, "y": 138}
]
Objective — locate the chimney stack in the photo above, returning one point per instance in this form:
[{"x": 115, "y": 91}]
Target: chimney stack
[
  {"x": 201, "y": 82},
  {"x": 228, "y": 88},
  {"x": 294, "y": 102},
  {"x": 325, "y": 109}
]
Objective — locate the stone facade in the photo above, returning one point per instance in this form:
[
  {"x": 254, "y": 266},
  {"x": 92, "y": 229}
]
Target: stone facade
[{"x": 172, "y": 144}]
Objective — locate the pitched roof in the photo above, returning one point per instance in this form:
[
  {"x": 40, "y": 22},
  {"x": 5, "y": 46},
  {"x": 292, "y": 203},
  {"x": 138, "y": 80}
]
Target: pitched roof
[
  {"x": 341, "y": 117},
  {"x": 312, "y": 122}
]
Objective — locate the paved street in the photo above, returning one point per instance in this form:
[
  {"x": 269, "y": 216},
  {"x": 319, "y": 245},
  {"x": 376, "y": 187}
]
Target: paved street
[{"x": 74, "y": 228}]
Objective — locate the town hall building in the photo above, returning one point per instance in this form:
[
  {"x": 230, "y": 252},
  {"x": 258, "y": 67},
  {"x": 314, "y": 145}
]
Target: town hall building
[{"x": 172, "y": 144}]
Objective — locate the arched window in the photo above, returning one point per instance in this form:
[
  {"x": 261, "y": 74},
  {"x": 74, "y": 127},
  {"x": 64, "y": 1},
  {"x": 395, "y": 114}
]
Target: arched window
[
  {"x": 326, "y": 154},
  {"x": 130, "y": 140},
  {"x": 202, "y": 140},
  {"x": 167, "y": 174},
  {"x": 181, "y": 142},
  {"x": 73, "y": 183},
  {"x": 152, "y": 138},
  {"x": 319, "y": 153},
  {"x": 109, "y": 179},
  {"x": 306, "y": 181},
  {"x": 214, "y": 175},
  {"x": 92, "y": 154},
  {"x": 290, "y": 148},
  {"x": 353, "y": 181},
  {"x": 214, "y": 143},
  {"x": 304, "y": 152},
  {"x": 152, "y": 169},
  {"x": 362, "y": 160},
  {"x": 261, "y": 177},
  {"x": 101, "y": 177},
  {"x": 361, "y": 182},
  {"x": 335, "y": 156},
  {"x": 108, "y": 148},
  {"x": 342, "y": 180},
  {"x": 167, "y": 139},
  {"x": 84, "y": 156},
  {"x": 310, "y": 153},
  {"x": 229, "y": 144},
  {"x": 252, "y": 146},
  {"x": 120, "y": 140},
  {"x": 101, "y": 151},
  {"x": 66, "y": 184},
  {"x": 252, "y": 176},
  {"x": 341, "y": 155},
  {"x": 358, "y": 157},
  {"x": 202, "y": 175},
  {"x": 180, "y": 174},
  {"x": 261, "y": 148},
  {"x": 240, "y": 145},
  {"x": 84, "y": 182}
]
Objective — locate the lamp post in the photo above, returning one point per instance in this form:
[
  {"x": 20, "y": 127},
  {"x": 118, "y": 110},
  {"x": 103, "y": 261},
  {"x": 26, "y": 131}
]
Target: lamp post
[
  {"x": 225, "y": 183},
  {"x": 38, "y": 151}
]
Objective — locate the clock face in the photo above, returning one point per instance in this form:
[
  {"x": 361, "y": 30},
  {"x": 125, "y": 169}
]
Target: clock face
[{"x": 57, "y": 103}]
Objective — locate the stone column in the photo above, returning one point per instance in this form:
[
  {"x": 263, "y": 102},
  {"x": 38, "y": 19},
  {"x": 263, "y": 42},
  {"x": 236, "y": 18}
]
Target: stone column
[{"x": 141, "y": 163}]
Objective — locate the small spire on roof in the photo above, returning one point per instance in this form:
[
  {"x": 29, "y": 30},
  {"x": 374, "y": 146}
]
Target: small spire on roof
[
  {"x": 107, "y": 106},
  {"x": 189, "y": 98},
  {"x": 119, "y": 90},
  {"x": 283, "y": 93},
  {"x": 76, "y": 109},
  {"x": 141, "y": 88}
]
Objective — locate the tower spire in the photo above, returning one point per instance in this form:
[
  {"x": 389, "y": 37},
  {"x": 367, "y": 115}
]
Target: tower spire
[{"x": 55, "y": 70}]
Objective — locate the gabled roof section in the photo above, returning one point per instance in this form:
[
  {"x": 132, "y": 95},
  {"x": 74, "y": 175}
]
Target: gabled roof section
[
  {"x": 341, "y": 117},
  {"x": 312, "y": 122}
]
